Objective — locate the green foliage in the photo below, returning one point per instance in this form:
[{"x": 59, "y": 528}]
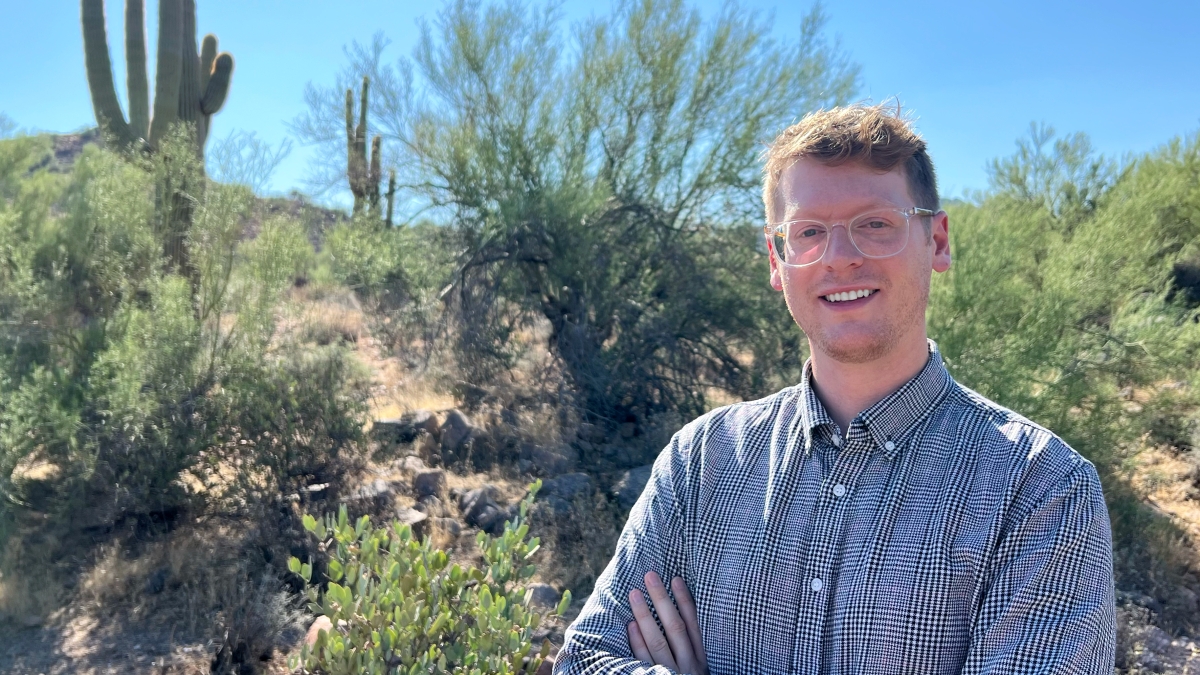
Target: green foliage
[
  {"x": 117, "y": 375},
  {"x": 397, "y": 605},
  {"x": 1061, "y": 307},
  {"x": 416, "y": 258},
  {"x": 608, "y": 184}
]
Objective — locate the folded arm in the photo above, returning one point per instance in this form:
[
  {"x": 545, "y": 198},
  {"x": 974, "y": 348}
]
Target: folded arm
[
  {"x": 653, "y": 540},
  {"x": 1049, "y": 607}
]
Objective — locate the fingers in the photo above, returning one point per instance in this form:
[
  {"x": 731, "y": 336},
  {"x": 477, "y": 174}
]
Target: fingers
[
  {"x": 687, "y": 607},
  {"x": 676, "y": 629},
  {"x": 656, "y": 644},
  {"x": 637, "y": 643}
]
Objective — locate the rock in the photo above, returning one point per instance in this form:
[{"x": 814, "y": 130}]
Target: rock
[
  {"x": 411, "y": 464},
  {"x": 547, "y": 667},
  {"x": 378, "y": 492},
  {"x": 448, "y": 525},
  {"x": 456, "y": 431},
  {"x": 543, "y": 596},
  {"x": 432, "y": 505},
  {"x": 404, "y": 429},
  {"x": 431, "y": 482},
  {"x": 316, "y": 491},
  {"x": 560, "y": 493},
  {"x": 417, "y": 520},
  {"x": 322, "y": 623},
  {"x": 423, "y": 420},
  {"x": 429, "y": 447},
  {"x": 590, "y": 432},
  {"x": 630, "y": 486},
  {"x": 628, "y": 430},
  {"x": 480, "y": 509}
]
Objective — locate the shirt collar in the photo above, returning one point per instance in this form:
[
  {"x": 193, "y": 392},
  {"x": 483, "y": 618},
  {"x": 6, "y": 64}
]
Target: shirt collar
[{"x": 889, "y": 420}]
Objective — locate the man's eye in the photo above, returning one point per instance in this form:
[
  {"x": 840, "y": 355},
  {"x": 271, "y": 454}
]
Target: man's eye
[
  {"x": 810, "y": 232},
  {"x": 877, "y": 224}
]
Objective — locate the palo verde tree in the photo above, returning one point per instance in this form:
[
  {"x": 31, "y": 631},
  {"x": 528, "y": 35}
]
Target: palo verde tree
[{"x": 607, "y": 183}]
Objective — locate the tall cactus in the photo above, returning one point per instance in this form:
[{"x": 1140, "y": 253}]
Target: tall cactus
[
  {"x": 365, "y": 171},
  {"x": 190, "y": 85}
]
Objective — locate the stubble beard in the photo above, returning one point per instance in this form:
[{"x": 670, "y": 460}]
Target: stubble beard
[{"x": 883, "y": 338}]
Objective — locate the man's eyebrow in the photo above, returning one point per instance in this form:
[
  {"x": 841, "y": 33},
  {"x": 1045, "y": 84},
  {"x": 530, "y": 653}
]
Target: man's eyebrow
[{"x": 796, "y": 211}]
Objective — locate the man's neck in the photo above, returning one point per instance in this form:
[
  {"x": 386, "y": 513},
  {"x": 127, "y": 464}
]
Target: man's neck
[{"x": 846, "y": 389}]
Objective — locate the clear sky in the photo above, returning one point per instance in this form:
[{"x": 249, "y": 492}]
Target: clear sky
[{"x": 975, "y": 73}]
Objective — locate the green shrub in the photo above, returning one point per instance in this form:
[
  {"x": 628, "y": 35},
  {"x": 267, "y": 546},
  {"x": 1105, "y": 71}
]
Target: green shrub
[{"x": 399, "y": 606}]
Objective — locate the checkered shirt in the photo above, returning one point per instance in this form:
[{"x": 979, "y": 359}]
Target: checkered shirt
[{"x": 942, "y": 534}]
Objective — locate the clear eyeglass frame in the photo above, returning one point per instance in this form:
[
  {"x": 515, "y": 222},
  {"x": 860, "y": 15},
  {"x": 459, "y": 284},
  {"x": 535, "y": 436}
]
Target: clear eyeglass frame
[{"x": 778, "y": 231}]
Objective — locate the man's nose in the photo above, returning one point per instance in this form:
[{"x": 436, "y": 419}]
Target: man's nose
[{"x": 841, "y": 252}]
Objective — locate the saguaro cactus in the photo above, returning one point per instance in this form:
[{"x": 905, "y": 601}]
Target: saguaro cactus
[
  {"x": 365, "y": 171},
  {"x": 190, "y": 85}
]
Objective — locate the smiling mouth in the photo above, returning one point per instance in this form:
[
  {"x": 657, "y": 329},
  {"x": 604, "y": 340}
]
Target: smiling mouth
[{"x": 849, "y": 296}]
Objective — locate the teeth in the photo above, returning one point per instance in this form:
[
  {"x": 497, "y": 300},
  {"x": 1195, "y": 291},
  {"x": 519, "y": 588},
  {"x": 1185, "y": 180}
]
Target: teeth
[{"x": 848, "y": 295}]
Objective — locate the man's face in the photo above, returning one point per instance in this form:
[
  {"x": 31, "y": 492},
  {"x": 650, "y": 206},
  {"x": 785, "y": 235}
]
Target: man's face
[{"x": 869, "y": 328}]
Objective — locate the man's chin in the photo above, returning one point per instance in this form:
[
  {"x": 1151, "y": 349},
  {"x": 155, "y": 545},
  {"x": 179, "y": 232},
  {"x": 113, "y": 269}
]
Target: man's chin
[{"x": 855, "y": 348}]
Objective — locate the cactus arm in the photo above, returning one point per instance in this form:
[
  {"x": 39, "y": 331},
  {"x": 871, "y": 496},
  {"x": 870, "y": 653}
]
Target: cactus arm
[
  {"x": 375, "y": 175},
  {"x": 189, "y": 66},
  {"x": 99, "y": 73},
  {"x": 208, "y": 53},
  {"x": 391, "y": 195},
  {"x": 137, "y": 83},
  {"x": 217, "y": 87},
  {"x": 362, "y": 116},
  {"x": 166, "y": 80}
]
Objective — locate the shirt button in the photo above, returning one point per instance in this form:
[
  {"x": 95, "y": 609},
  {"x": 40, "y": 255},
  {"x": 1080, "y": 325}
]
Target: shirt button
[
  {"x": 889, "y": 446},
  {"x": 837, "y": 441},
  {"x": 839, "y": 490},
  {"x": 816, "y": 584}
]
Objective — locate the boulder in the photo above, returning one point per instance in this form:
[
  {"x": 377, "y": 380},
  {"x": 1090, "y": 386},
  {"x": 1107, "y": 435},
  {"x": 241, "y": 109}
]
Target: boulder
[
  {"x": 559, "y": 493},
  {"x": 378, "y": 493},
  {"x": 448, "y": 525},
  {"x": 411, "y": 464},
  {"x": 630, "y": 486},
  {"x": 480, "y": 509},
  {"x": 432, "y": 505},
  {"x": 416, "y": 519},
  {"x": 431, "y": 482},
  {"x": 543, "y": 597},
  {"x": 456, "y": 431}
]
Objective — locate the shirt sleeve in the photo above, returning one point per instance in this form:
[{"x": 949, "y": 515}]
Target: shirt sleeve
[
  {"x": 1050, "y": 606},
  {"x": 653, "y": 539}
]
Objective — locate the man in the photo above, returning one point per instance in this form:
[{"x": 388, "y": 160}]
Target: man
[{"x": 878, "y": 517}]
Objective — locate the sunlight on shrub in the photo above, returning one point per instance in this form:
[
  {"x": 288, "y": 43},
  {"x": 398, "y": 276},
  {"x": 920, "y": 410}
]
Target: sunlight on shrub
[{"x": 398, "y": 605}]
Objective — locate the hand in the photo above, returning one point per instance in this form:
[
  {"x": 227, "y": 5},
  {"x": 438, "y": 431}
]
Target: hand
[{"x": 681, "y": 649}]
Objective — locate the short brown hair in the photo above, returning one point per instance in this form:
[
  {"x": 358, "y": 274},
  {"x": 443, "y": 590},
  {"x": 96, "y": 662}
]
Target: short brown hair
[{"x": 875, "y": 135}]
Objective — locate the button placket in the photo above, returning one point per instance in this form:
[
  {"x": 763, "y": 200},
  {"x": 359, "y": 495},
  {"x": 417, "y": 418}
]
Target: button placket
[{"x": 824, "y": 555}]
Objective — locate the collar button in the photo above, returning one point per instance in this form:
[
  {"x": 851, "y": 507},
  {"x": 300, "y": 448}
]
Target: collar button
[{"x": 889, "y": 446}]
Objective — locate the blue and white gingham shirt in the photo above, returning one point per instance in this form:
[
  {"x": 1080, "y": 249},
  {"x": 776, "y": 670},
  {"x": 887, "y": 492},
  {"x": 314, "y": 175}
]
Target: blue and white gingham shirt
[{"x": 942, "y": 534}]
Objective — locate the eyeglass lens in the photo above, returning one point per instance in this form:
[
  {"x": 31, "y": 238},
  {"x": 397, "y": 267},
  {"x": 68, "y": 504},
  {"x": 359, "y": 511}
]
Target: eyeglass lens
[{"x": 876, "y": 235}]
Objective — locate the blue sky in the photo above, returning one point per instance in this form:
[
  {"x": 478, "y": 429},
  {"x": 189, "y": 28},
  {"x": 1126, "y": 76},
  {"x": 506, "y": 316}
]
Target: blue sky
[{"x": 975, "y": 74}]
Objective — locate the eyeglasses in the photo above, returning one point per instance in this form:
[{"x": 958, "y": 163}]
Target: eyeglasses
[{"x": 879, "y": 233}]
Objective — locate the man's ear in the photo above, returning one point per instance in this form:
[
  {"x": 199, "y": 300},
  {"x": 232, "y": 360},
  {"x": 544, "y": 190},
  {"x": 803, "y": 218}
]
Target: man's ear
[
  {"x": 776, "y": 273},
  {"x": 940, "y": 233}
]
